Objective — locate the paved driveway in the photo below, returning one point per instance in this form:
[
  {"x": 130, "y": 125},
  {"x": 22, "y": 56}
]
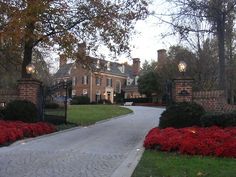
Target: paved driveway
[{"x": 95, "y": 151}]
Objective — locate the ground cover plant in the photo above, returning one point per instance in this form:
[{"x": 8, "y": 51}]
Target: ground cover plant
[
  {"x": 164, "y": 164},
  {"x": 194, "y": 141},
  {"x": 16, "y": 130}
]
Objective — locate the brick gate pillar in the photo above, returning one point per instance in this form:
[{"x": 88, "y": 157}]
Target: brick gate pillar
[
  {"x": 182, "y": 90},
  {"x": 31, "y": 90}
]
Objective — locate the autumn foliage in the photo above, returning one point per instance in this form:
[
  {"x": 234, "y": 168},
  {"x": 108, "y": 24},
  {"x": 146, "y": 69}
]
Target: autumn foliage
[{"x": 212, "y": 141}]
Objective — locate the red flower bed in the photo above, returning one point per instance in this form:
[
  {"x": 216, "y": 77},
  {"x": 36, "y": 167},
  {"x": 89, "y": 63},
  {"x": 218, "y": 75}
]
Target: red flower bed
[
  {"x": 194, "y": 141},
  {"x": 11, "y": 131}
]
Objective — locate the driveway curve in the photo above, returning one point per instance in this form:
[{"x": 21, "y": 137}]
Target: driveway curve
[{"x": 95, "y": 151}]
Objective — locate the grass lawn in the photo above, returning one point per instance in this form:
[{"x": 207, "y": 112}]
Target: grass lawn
[
  {"x": 89, "y": 114},
  {"x": 162, "y": 164}
]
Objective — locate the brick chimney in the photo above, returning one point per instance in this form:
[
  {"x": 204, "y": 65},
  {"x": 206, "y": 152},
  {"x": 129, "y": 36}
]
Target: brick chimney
[
  {"x": 62, "y": 60},
  {"x": 82, "y": 50},
  {"x": 136, "y": 66},
  {"x": 161, "y": 56}
]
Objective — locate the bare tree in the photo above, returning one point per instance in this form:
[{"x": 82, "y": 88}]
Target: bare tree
[{"x": 211, "y": 16}]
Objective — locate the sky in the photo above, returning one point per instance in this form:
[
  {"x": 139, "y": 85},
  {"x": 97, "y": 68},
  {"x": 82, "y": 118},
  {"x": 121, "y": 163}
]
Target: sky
[{"x": 148, "y": 38}]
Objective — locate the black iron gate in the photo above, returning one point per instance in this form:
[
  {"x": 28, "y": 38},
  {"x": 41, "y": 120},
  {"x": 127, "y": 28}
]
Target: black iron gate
[{"x": 55, "y": 102}]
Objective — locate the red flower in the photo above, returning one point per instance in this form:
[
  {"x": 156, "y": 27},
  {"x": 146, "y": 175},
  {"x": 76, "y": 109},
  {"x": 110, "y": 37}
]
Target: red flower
[
  {"x": 194, "y": 140},
  {"x": 15, "y": 130}
]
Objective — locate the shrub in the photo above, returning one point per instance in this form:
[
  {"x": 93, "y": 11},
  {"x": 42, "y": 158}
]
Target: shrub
[
  {"x": 80, "y": 100},
  {"x": 104, "y": 101},
  {"x": 2, "y": 112},
  {"x": 222, "y": 120},
  {"x": 22, "y": 110},
  {"x": 51, "y": 105},
  {"x": 181, "y": 115}
]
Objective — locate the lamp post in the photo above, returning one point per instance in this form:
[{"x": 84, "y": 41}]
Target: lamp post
[
  {"x": 30, "y": 68},
  {"x": 182, "y": 66}
]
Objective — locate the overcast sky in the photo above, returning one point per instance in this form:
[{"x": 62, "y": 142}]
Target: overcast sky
[{"x": 149, "y": 36}]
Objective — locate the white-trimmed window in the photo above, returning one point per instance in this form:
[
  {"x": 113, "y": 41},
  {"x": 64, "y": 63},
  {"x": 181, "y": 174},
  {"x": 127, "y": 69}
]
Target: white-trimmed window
[
  {"x": 109, "y": 82},
  {"x": 85, "y": 80},
  {"x": 74, "y": 81},
  {"x": 85, "y": 92},
  {"x": 118, "y": 86},
  {"x": 128, "y": 81},
  {"x": 98, "y": 81},
  {"x": 73, "y": 93}
]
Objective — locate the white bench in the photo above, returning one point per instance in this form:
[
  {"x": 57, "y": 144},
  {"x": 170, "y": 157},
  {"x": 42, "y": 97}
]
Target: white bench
[{"x": 128, "y": 103}]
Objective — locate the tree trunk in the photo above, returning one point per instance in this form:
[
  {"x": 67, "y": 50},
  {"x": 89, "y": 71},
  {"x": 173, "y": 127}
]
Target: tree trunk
[
  {"x": 28, "y": 47},
  {"x": 221, "y": 50}
]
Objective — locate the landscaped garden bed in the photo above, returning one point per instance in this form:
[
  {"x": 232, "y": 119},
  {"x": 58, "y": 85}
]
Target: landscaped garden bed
[
  {"x": 12, "y": 131},
  {"x": 190, "y": 142},
  {"x": 194, "y": 141}
]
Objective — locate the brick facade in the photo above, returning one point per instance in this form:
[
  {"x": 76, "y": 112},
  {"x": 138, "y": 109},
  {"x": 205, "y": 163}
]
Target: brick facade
[
  {"x": 102, "y": 81},
  {"x": 95, "y": 90}
]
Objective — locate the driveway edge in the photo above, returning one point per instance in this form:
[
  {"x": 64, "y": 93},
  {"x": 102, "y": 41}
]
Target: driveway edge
[{"x": 128, "y": 166}]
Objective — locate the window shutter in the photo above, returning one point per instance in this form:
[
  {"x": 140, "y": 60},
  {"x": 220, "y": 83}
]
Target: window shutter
[
  {"x": 111, "y": 82},
  {"x": 87, "y": 79},
  {"x": 107, "y": 82}
]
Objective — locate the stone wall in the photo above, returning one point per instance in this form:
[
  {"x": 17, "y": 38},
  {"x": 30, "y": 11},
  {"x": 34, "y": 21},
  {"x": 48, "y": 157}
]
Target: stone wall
[
  {"x": 213, "y": 101},
  {"x": 7, "y": 96}
]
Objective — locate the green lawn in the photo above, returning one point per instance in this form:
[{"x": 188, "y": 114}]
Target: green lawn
[
  {"x": 161, "y": 164},
  {"x": 89, "y": 114}
]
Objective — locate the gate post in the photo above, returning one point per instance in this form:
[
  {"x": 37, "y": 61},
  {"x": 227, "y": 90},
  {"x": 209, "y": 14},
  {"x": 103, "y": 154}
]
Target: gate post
[
  {"x": 31, "y": 90},
  {"x": 183, "y": 90}
]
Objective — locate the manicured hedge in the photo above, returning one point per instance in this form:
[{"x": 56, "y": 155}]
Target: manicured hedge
[
  {"x": 222, "y": 120},
  {"x": 22, "y": 110},
  {"x": 181, "y": 115},
  {"x": 80, "y": 100}
]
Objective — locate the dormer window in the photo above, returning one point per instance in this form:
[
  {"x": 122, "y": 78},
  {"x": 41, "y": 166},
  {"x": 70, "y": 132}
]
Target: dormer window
[
  {"x": 123, "y": 68},
  {"x": 129, "y": 81},
  {"x": 98, "y": 64},
  {"x": 108, "y": 66},
  {"x": 136, "y": 80}
]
